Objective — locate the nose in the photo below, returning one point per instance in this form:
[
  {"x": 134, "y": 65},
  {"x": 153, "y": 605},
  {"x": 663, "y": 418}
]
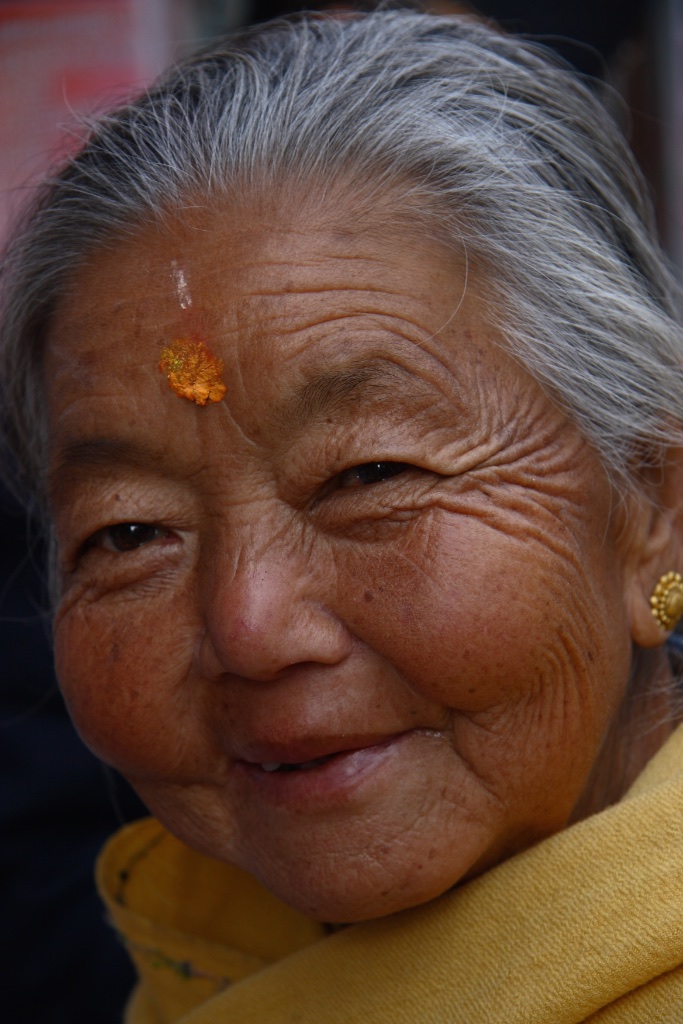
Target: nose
[{"x": 265, "y": 612}]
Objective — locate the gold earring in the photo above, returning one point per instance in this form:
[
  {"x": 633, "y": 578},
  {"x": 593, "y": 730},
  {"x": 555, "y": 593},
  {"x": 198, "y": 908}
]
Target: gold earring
[{"x": 666, "y": 602}]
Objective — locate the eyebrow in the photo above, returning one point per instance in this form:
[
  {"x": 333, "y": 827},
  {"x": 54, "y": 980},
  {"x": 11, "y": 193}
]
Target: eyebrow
[
  {"x": 336, "y": 388},
  {"x": 101, "y": 453}
]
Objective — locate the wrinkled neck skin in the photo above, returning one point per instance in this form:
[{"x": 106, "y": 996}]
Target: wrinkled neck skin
[{"x": 649, "y": 713}]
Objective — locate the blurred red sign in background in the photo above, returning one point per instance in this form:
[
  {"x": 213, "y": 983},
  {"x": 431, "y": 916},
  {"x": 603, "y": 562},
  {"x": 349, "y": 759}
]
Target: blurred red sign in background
[{"x": 63, "y": 59}]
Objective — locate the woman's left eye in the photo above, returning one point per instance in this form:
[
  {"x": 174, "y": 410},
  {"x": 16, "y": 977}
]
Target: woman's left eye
[
  {"x": 124, "y": 537},
  {"x": 371, "y": 473}
]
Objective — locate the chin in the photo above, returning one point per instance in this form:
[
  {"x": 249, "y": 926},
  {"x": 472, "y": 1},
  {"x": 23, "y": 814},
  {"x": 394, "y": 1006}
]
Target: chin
[{"x": 350, "y": 896}]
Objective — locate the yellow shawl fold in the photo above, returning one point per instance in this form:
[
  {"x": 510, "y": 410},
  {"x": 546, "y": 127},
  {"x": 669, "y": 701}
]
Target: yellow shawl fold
[{"x": 585, "y": 926}]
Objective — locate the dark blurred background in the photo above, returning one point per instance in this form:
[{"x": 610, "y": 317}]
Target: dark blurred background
[{"x": 60, "y": 59}]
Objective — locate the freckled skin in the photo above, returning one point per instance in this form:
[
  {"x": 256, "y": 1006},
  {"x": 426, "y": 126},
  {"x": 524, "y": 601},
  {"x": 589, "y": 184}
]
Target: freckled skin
[{"x": 482, "y": 601}]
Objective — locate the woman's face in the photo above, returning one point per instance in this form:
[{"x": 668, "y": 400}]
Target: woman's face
[{"x": 361, "y": 626}]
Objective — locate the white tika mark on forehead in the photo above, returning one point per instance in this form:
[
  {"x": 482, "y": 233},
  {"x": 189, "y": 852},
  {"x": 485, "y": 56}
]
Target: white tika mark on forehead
[{"x": 181, "y": 285}]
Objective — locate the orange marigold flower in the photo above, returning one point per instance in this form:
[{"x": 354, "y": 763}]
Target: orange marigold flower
[{"x": 193, "y": 372}]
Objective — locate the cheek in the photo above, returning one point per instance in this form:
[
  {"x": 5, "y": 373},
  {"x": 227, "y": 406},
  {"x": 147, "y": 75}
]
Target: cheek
[
  {"x": 476, "y": 617},
  {"x": 122, "y": 670}
]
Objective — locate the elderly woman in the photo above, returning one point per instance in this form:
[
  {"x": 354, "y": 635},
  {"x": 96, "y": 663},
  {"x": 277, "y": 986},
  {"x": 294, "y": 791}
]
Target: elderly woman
[{"x": 349, "y": 369}]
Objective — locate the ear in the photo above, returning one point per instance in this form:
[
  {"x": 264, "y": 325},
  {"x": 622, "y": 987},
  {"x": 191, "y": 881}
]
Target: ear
[{"x": 654, "y": 537}]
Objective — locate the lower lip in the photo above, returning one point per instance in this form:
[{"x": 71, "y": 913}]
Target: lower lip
[{"x": 336, "y": 781}]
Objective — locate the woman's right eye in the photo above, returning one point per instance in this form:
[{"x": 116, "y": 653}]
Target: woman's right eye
[
  {"x": 124, "y": 537},
  {"x": 371, "y": 473}
]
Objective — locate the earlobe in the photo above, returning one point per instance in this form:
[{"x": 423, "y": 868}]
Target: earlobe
[
  {"x": 653, "y": 617},
  {"x": 655, "y": 588},
  {"x": 666, "y": 602},
  {"x": 649, "y": 627}
]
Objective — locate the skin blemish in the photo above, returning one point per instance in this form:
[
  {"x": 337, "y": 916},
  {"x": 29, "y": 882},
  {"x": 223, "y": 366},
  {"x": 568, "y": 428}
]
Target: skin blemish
[{"x": 193, "y": 372}]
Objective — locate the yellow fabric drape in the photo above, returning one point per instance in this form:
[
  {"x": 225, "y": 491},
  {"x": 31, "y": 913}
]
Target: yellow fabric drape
[{"x": 585, "y": 926}]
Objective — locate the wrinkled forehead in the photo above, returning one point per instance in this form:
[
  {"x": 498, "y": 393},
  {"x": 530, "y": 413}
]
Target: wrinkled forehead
[
  {"x": 232, "y": 273},
  {"x": 240, "y": 240},
  {"x": 239, "y": 327}
]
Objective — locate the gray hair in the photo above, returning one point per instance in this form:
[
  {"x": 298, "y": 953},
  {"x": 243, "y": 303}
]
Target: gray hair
[{"x": 497, "y": 145}]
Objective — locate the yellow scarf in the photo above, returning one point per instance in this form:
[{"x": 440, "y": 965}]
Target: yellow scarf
[{"x": 588, "y": 925}]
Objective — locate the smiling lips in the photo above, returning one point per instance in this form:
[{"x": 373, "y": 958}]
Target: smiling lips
[
  {"x": 317, "y": 776},
  {"x": 304, "y": 763}
]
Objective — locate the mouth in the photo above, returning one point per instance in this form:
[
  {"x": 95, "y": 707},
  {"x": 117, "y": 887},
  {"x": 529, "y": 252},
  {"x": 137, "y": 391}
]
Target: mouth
[
  {"x": 308, "y": 779},
  {"x": 305, "y": 755},
  {"x": 301, "y": 766}
]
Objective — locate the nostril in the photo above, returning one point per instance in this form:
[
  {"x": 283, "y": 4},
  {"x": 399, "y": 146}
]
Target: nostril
[{"x": 271, "y": 639}]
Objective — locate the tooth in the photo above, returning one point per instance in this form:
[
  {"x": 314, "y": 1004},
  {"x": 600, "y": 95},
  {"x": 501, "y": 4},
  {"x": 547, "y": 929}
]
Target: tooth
[{"x": 271, "y": 766}]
